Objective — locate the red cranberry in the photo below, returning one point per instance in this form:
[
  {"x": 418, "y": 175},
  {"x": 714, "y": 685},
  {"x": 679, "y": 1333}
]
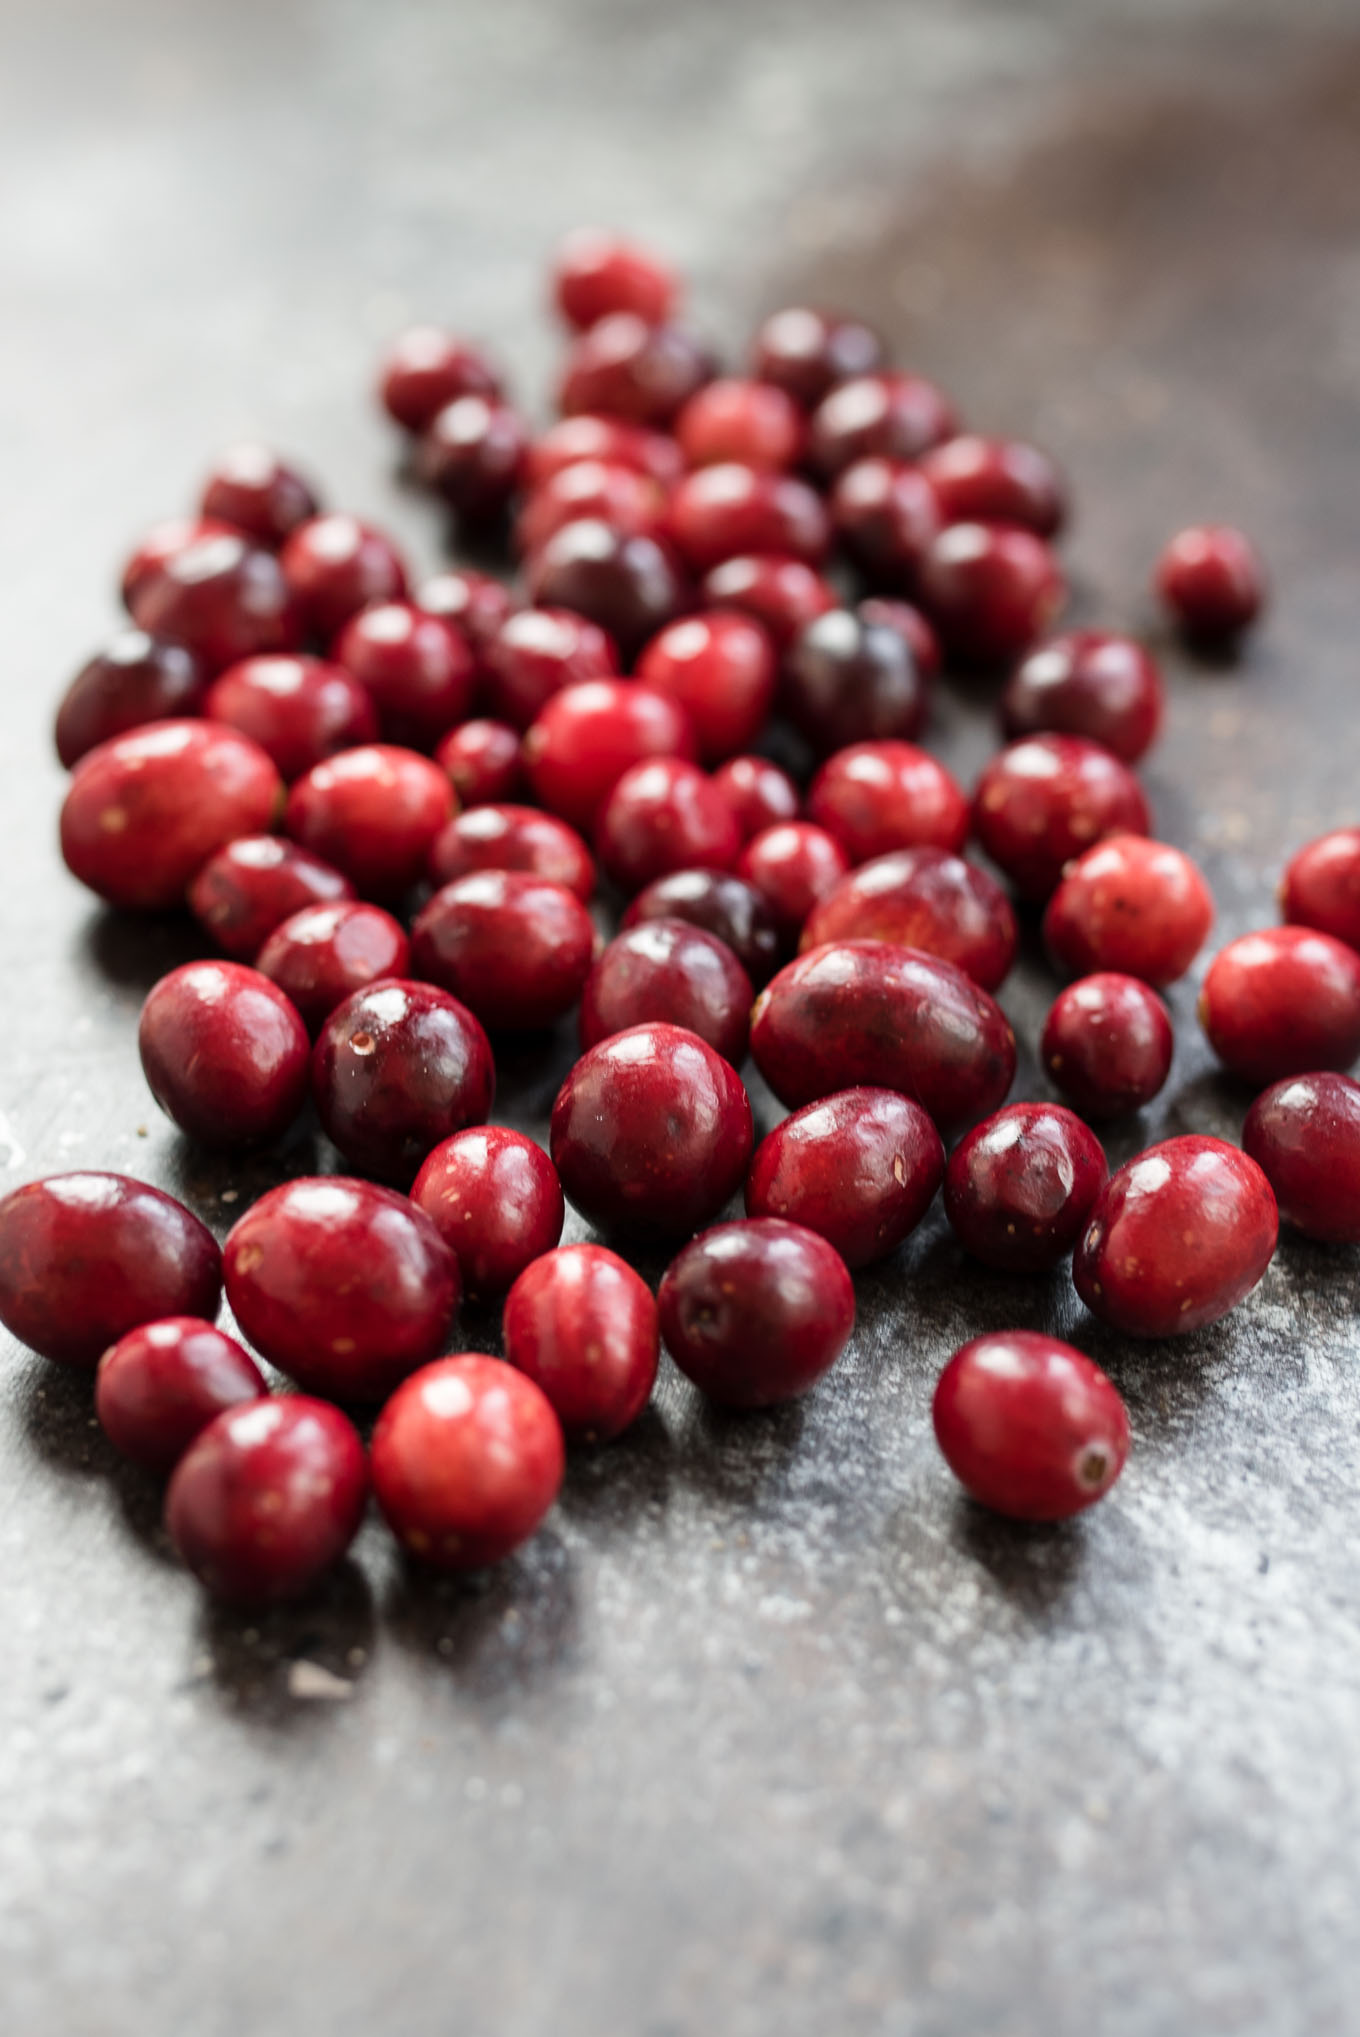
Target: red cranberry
[
  {"x": 755, "y": 1312},
  {"x": 1283, "y": 1001},
  {"x": 252, "y": 885},
  {"x": 608, "y": 439},
  {"x": 875, "y": 797},
  {"x": 134, "y": 680},
  {"x": 885, "y": 514},
  {"x": 513, "y": 838},
  {"x": 84, "y": 1258},
  {"x": 1088, "y": 683},
  {"x": 1131, "y": 905},
  {"x": 159, "y": 1387},
  {"x": 253, "y": 489},
  {"x": 628, "y": 583},
  {"x": 589, "y": 735},
  {"x": 398, "y": 1067},
  {"x": 425, "y": 370},
  {"x": 482, "y": 762},
  {"x": 753, "y": 423},
  {"x": 374, "y": 813},
  {"x": 496, "y": 1201},
  {"x": 780, "y": 592},
  {"x": 806, "y": 353},
  {"x": 343, "y": 1285},
  {"x": 161, "y": 544},
  {"x": 846, "y": 680},
  {"x": 922, "y": 898},
  {"x": 1304, "y": 1134},
  {"x": 666, "y": 969},
  {"x": 145, "y": 811},
  {"x": 318, "y": 957},
  {"x": 472, "y": 452},
  {"x": 537, "y": 653},
  {"x": 1020, "y": 1187},
  {"x": 1321, "y": 886},
  {"x": 719, "y": 904},
  {"x": 991, "y": 590},
  {"x": 224, "y": 1053},
  {"x": 335, "y": 565},
  {"x": 223, "y": 598},
  {"x": 862, "y": 1012},
  {"x": 727, "y": 511},
  {"x": 267, "y": 1498},
  {"x": 860, "y": 1168},
  {"x": 609, "y": 493},
  {"x": 625, "y": 367},
  {"x": 299, "y": 710},
  {"x": 1030, "y": 1427},
  {"x": 664, "y": 815},
  {"x": 721, "y": 669},
  {"x": 1179, "y": 1236},
  {"x": 1212, "y": 581},
  {"x": 514, "y": 947},
  {"x": 583, "y": 1326},
  {"x": 1107, "y": 1044},
  {"x": 1045, "y": 800},
  {"x": 979, "y": 480},
  {"x": 791, "y": 868},
  {"x": 877, "y": 417},
  {"x": 759, "y": 793},
  {"x": 596, "y": 274},
  {"x": 909, "y": 622},
  {"x": 417, "y": 670},
  {"x": 467, "y": 1458},
  {"x": 473, "y": 602}
]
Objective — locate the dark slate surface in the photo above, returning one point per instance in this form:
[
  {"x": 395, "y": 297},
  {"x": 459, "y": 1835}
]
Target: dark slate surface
[{"x": 768, "y": 1731}]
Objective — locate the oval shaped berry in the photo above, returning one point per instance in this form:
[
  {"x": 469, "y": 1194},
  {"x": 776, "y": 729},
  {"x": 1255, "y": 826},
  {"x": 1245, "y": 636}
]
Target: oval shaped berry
[
  {"x": 607, "y": 439},
  {"x": 251, "y": 487},
  {"x": 922, "y": 898},
  {"x": 727, "y": 511},
  {"x": 1107, "y": 1044},
  {"x": 664, "y": 969},
  {"x": 664, "y": 814},
  {"x": 426, "y": 368},
  {"x": 495, "y": 1199},
  {"x": 538, "y": 651},
  {"x": 223, "y": 598},
  {"x": 779, "y": 592},
  {"x": 628, "y": 582},
  {"x": 1321, "y": 886},
  {"x": 1043, "y": 801},
  {"x": 756, "y": 1312},
  {"x": 753, "y": 424},
  {"x": 626, "y": 367},
  {"x": 1136, "y": 907},
  {"x": 991, "y": 590},
  {"x": 721, "y": 668},
  {"x": 1030, "y": 1427},
  {"x": 1282, "y": 1001},
  {"x": 318, "y": 957},
  {"x": 159, "y": 1386},
  {"x": 417, "y": 670},
  {"x": 886, "y": 514},
  {"x": 334, "y": 566},
  {"x": 760, "y": 793},
  {"x": 860, "y": 1168},
  {"x": 255, "y": 883},
  {"x": 224, "y": 1053},
  {"x": 589, "y": 735},
  {"x": 596, "y": 273},
  {"x": 981, "y": 480},
  {"x": 1021, "y": 1185},
  {"x": 807, "y": 352},
  {"x": 791, "y": 868},
  {"x": 133, "y": 680},
  {"x": 875, "y": 797},
  {"x": 887, "y": 416},
  {"x": 1088, "y": 683},
  {"x": 481, "y": 761},
  {"x": 1212, "y": 581},
  {"x": 849, "y": 680},
  {"x": 1304, "y": 1135},
  {"x": 472, "y": 453},
  {"x": 398, "y": 1067},
  {"x": 719, "y": 904},
  {"x": 299, "y": 710},
  {"x": 503, "y": 837},
  {"x": 583, "y": 1326},
  {"x": 374, "y": 813},
  {"x": 515, "y": 948}
]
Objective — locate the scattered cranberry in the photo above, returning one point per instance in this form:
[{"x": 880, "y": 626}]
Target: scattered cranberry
[
  {"x": 476, "y": 604},
  {"x": 846, "y": 680},
  {"x": 1212, "y": 581},
  {"x": 589, "y": 735},
  {"x": 791, "y": 868},
  {"x": 299, "y": 710},
  {"x": 756, "y": 1312},
  {"x": 159, "y": 1387},
  {"x": 720, "y": 667},
  {"x": 161, "y": 544},
  {"x": 1283, "y": 1001},
  {"x": 496, "y": 1201},
  {"x": 1088, "y": 683},
  {"x": 910, "y": 623},
  {"x": 728, "y": 511},
  {"x": 759, "y": 793},
  {"x": 875, "y": 797},
  {"x": 1048, "y": 798},
  {"x": 860, "y": 1168},
  {"x": 663, "y": 815},
  {"x": 596, "y": 274},
  {"x": 1020, "y": 1187},
  {"x": 978, "y": 480},
  {"x": 374, "y": 813},
  {"x": 481, "y": 761},
  {"x": 320, "y": 956},
  {"x": 224, "y": 1053},
  {"x": 627, "y": 368},
  {"x": 666, "y": 969},
  {"x": 627, "y": 582},
  {"x": 515, "y": 948},
  {"x": 1321, "y": 886},
  {"x": 513, "y": 838},
  {"x": 334, "y": 566},
  {"x": 778, "y": 591},
  {"x": 606, "y": 492},
  {"x": 472, "y": 452},
  {"x": 886, "y": 515},
  {"x": 583, "y": 1326},
  {"x": 253, "y": 489},
  {"x": 417, "y": 670},
  {"x": 882, "y": 416},
  {"x": 922, "y": 898},
  {"x": 609, "y": 439},
  {"x": 134, "y": 680},
  {"x": 223, "y": 598},
  {"x": 1131, "y": 905},
  {"x": 536, "y": 653},
  {"x": 753, "y": 423},
  {"x": 720, "y": 904},
  {"x": 253, "y": 884},
  {"x": 425, "y": 370},
  {"x": 1107, "y": 1043},
  {"x": 991, "y": 590},
  {"x": 1304, "y": 1134},
  {"x": 398, "y": 1067},
  {"x": 1030, "y": 1427},
  {"x": 806, "y": 353}
]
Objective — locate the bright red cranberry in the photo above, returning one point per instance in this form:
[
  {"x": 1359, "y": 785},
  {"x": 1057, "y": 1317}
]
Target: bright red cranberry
[
  {"x": 755, "y": 1312},
  {"x": 1107, "y": 1044},
  {"x": 721, "y": 668},
  {"x": 475, "y": 603},
  {"x": 536, "y": 654},
  {"x": 398, "y": 1067},
  {"x": 267, "y": 1498},
  {"x": 1088, "y": 683},
  {"x": 161, "y": 544},
  {"x": 666, "y": 969},
  {"x": 609, "y": 493},
  {"x": 225, "y": 1054},
  {"x": 1304, "y": 1134},
  {"x": 1179, "y": 1236},
  {"x": 495, "y": 1199},
  {"x": 806, "y": 353},
  {"x": 728, "y": 511},
  {"x": 252, "y": 885},
  {"x": 425, "y": 370},
  {"x": 791, "y": 868},
  {"x": 472, "y": 452},
  {"x": 583, "y": 1326},
  {"x": 513, "y": 838},
  {"x": 608, "y": 439},
  {"x": 860, "y": 1168},
  {"x": 1138, "y": 907},
  {"x": 846, "y": 681},
  {"x": 596, "y": 274},
  {"x": 514, "y": 947},
  {"x": 760, "y": 794},
  {"x": 1046, "y": 799},
  {"x": 589, "y": 735},
  {"x": 991, "y": 590},
  {"x": 374, "y": 813},
  {"x": 84, "y": 1258},
  {"x": 334, "y": 566},
  {"x": 223, "y": 598},
  {"x": 860, "y": 1013},
  {"x": 719, "y": 904},
  {"x": 1212, "y": 581},
  {"x": 886, "y": 515},
  {"x": 418, "y": 671},
  {"x": 320, "y": 956},
  {"x": 467, "y": 1458},
  {"x": 299, "y": 710},
  {"x": 877, "y": 417},
  {"x": 978, "y": 480},
  {"x": 753, "y": 423},
  {"x": 1020, "y": 1186},
  {"x": 159, "y": 1387},
  {"x": 1321, "y": 886},
  {"x": 922, "y": 898},
  {"x": 1030, "y": 1427},
  {"x": 343, "y": 1285},
  {"x": 625, "y": 367},
  {"x": 254, "y": 489},
  {"x": 145, "y": 811},
  {"x": 133, "y": 680},
  {"x": 879, "y": 796},
  {"x": 664, "y": 815},
  {"x": 628, "y": 582},
  {"x": 481, "y": 761},
  {"x": 780, "y": 592},
  {"x": 1283, "y": 1001},
  {"x": 910, "y": 623}
]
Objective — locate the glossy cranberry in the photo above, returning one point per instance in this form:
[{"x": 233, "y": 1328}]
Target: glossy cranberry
[
  {"x": 299, "y": 710},
  {"x": 607, "y": 492},
  {"x": 628, "y": 582},
  {"x": 145, "y": 811},
  {"x": 224, "y": 1053},
  {"x": 1321, "y": 886},
  {"x": 1030, "y": 1427},
  {"x": 664, "y": 815},
  {"x": 496, "y": 1201},
  {"x": 791, "y": 868},
  {"x": 721, "y": 668},
  {"x": 482, "y": 762},
  {"x": 760, "y": 794},
  {"x": 991, "y": 590},
  {"x": 472, "y": 452},
  {"x": 781, "y": 593},
  {"x": 1283, "y": 1001},
  {"x": 728, "y": 511},
  {"x": 755, "y": 1312},
  {"x": 223, "y": 598},
  {"x": 513, "y": 838},
  {"x": 252, "y": 885},
  {"x": 397, "y": 1067},
  {"x": 267, "y": 1498},
  {"x": 922, "y": 898},
  {"x": 84, "y": 1258},
  {"x": 719, "y": 904},
  {"x": 979, "y": 480},
  {"x": 846, "y": 680},
  {"x": 161, "y": 544},
  {"x": 860, "y": 1168},
  {"x": 159, "y": 1387},
  {"x": 475, "y": 603},
  {"x": 318, "y": 957},
  {"x": 1046, "y": 799},
  {"x": 1131, "y": 905},
  {"x": 1107, "y": 1044},
  {"x": 877, "y": 417},
  {"x": 910, "y": 623},
  {"x": 539, "y": 651},
  {"x": 133, "y": 680},
  {"x": 596, "y": 274},
  {"x": 1020, "y": 1186},
  {"x": 876, "y": 797},
  {"x": 1211, "y": 579},
  {"x": 335, "y": 565},
  {"x": 589, "y": 735},
  {"x": 1088, "y": 683},
  {"x": 806, "y": 353},
  {"x": 374, "y": 813},
  {"x": 343, "y": 1285},
  {"x": 608, "y": 439},
  {"x": 1304, "y": 1134},
  {"x": 885, "y": 514},
  {"x": 418, "y": 671},
  {"x": 1179, "y": 1236},
  {"x": 255, "y": 490},
  {"x": 583, "y": 1326},
  {"x": 625, "y": 367},
  {"x": 858, "y": 1013},
  {"x": 753, "y": 423},
  {"x": 514, "y": 947},
  {"x": 467, "y": 1458},
  {"x": 425, "y": 370},
  {"x": 666, "y": 969}
]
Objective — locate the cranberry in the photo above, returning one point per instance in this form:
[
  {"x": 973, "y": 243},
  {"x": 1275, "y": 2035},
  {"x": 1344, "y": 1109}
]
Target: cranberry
[
  {"x": 978, "y": 480},
  {"x": 425, "y": 370},
  {"x": 1212, "y": 581},
  {"x": 791, "y": 868},
  {"x": 496, "y": 1201},
  {"x": 134, "y": 680},
  {"x": 318, "y": 957},
  {"x": 163, "y": 542},
  {"x": 627, "y": 582},
  {"x": 467, "y": 1458},
  {"x": 806, "y": 353},
  {"x": 1321, "y": 886},
  {"x": 589, "y": 735},
  {"x": 722, "y": 905},
  {"x": 299, "y": 710},
  {"x": 1131, "y": 905},
  {"x": 224, "y": 1053},
  {"x": 720, "y": 667},
  {"x": 1030, "y": 1427},
  {"x": 753, "y": 423},
  {"x": 417, "y": 670},
  {"x": 1020, "y": 1187},
  {"x": 596, "y": 274},
  {"x": 774, "y": 589},
  {"x": 223, "y": 598},
  {"x": 1088, "y": 683},
  {"x": 875, "y": 797},
  {"x": 475, "y": 603},
  {"x": 1107, "y": 1044},
  {"x": 759, "y": 793},
  {"x": 1283, "y": 1001},
  {"x": 253, "y": 489},
  {"x": 846, "y": 680},
  {"x": 881, "y": 416},
  {"x": 727, "y": 511},
  {"x": 1179, "y": 1236},
  {"x": 513, "y": 838},
  {"x": 607, "y": 492},
  {"x": 922, "y": 898},
  {"x": 664, "y": 815},
  {"x": 343, "y": 1285},
  {"x": 755, "y": 1312},
  {"x": 1304, "y": 1133},
  {"x": 862, "y": 1012},
  {"x": 335, "y": 565},
  {"x": 1046, "y": 799},
  {"x": 583, "y": 1326},
  {"x": 84, "y": 1258},
  {"x": 514, "y": 947},
  {"x": 482, "y": 762},
  {"x": 145, "y": 811},
  {"x": 860, "y": 1168},
  {"x": 398, "y": 1067},
  {"x": 374, "y": 813},
  {"x": 160, "y": 1385},
  {"x": 991, "y": 590},
  {"x": 267, "y": 1498},
  {"x": 253, "y": 884},
  {"x": 627, "y": 368},
  {"x": 539, "y": 651},
  {"x": 910, "y": 623},
  {"x": 885, "y": 514},
  {"x": 666, "y": 969},
  {"x": 472, "y": 452},
  {"x": 608, "y": 439}
]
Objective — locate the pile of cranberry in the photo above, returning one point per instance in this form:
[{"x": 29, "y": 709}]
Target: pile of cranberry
[{"x": 301, "y": 748}]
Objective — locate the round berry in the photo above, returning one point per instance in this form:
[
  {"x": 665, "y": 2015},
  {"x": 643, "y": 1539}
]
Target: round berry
[
  {"x": 627, "y": 367},
  {"x": 474, "y": 603},
  {"x": 860, "y": 1168},
  {"x": 1212, "y": 581},
  {"x": 721, "y": 668},
  {"x": 753, "y": 423},
  {"x": 728, "y": 511},
  {"x": 720, "y": 904},
  {"x": 223, "y": 598},
  {"x": 909, "y": 622},
  {"x": 922, "y": 898},
  {"x": 991, "y": 590},
  {"x": 537, "y": 652},
  {"x": 398, "y": 1067},
  {"x": 513, "y": 838},
  {"x": 756, "y": 1312},
  {"x": 426, "y": 369},
  {"x": 886, "y": 516},
  {"x": 373, "y": 813},
  {"x": 596, "y": 274},
  {"x": 299, "y": 710},
  {"x": 664, "y": 815},
  {"x": 979, "y": 480},
  {"x": 255, "y": 490},
  {"x": 335, "y": 565},
  {"x": 665, "y": 969},
  {"x": 159, "y": 1387},
  {"x": 589, "y": 735},
  {"x": 481, "y": 761},
  {"x": 1029, "y": 1427},
  {"x": 583, "y": 1326},
  {"x": 791, "y": 868},
  {"x": 1088, "y": 683},
  {"x": 472, "y": 453},
  {"x": 161, "y": 544},
  {"x": 610, "y": 440},
  {"x": 1304, "y": 1134},
  {"x": 596, "y": 490},
  {"x": 252, "y": 885},
  {"x": 1321, "y": 886},
  {"x": 1107, "y": 1044},
  {"x": 628, "y": 582},
  {"x": 882, "y": 416},
  {"x": 874, "y": 797},
  {"x": 777, "y": 591},
  {"x": 133, "y": 680},
  {"x": 496, "y": 1201},
  {"x": 1047, "y": 799},
  {"x": 760, "y": 794},
  {"x": 320, "y": 956},
  {"x": 847, "y": 681},
  {"x": 806, "y": 353},
  {"x": 514, "y": 947},
  {"x": 416, "y": 669},
  {"x": 1284, "y": 1001},
  {"x": 1020, "y": 1186},
  {"x": 224, "y": 1053},
  {"x": 1140, "y": 908}
]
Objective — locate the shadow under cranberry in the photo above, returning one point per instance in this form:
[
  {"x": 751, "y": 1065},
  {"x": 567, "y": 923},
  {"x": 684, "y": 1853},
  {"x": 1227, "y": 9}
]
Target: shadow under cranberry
[
  {"x": 281, "y": 1666},
  {"x": 499, "y": 1634},
  {"x": 132, "y": 950}
]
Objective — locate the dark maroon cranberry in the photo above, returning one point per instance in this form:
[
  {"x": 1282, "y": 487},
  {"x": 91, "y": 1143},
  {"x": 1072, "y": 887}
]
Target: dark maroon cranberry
[
  {"x": 318, "y": 957},
  {"x": 781, "y": 593},
  {"x": 334, "y": 566},
  {"x": 513, "y": 838},
  {"x": 922, "y": 898},
  {"x": 664, "y": 815},
  {"x": 482, "y": 762},
  {"x": 1212, "y": 581},
  {"x": 224, "y": 1053},
  {"x": 791, "y": 868},
  {"x": 84, "y": 1258},
  {"x": 536, "y": 654},
  {"x": 252, "y": 885},
  {"x": 589, "y": 735},
  {"x": 514, "y": 947},
  {"x": 472, "y": 452},
  {"x": 910, "y": 623},
  {"x": 860, "y": 1168},
  {"x": 628, "y": 583},
  {"x": 1088, "y": 683},
  {"x": 1107, "y": 1044},
  {"x": 1029, "y": 1427},
  {"x": 1284, "y": 1001},
  {"x": 343, "y": 1285},
  {"x": 1046, "y": 799},
  {"x": 979, "y": 480},
  {"x": 876, "y": 797},
  {"x": 1135, "y": 906},
  {"x": 755, "y": 1312},
  {"x": 496, "y": 1201},
  {"x": 596, "y": 274},
  {"x": 753, "y": 423},
  {"x": 134, "y": 680},
  {"x": 475, "y": 603},
  {"x": 885, "y": 514},
  {"x": 608, "y": 439},
  {"x": 846, "y": 680},
  {"x": 425, "y": 370},
  {"x": 721, "y": 668},
  {"x": 583, "y": 1326},
  {"x": 160, "y": 1385},
  {"x": 254, "y": 489},
  {"x": 1020, "y": 1187},
  {"x": 161, "y": 544},
  {"x": 397, "y": 1067},
  {"x": 417, "y": 670},
  {"x": 628, "y": 368},
  {"x": 877, "y": 417},
  {"x": 666, "y": 969},
  {"x": 374, "y": 813},
  {"x": 806, "y": 353},
  {"x": 1179, "y": 1236},
  {"x": 1321, "y": 886},
  {"x": 1304, "y": 1134},
  {"x": 299, "y": 710},
  {"x": 597, "y": 489},
  {"x": 729, "y": 511},
  {"x": 722, "y": 905},
  {"x": 223, "y": 598},
  {"x": 759, "y": 793},
  {"x": 991, "y": 590}
]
